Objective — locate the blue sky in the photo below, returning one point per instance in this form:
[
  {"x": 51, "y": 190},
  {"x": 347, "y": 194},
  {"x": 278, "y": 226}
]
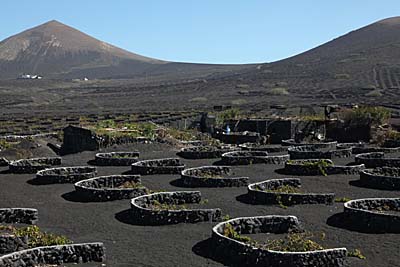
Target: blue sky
[{"x": 212, "y": 31}]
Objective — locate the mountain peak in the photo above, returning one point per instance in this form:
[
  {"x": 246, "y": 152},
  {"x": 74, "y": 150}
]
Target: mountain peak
[
  {"x": 393, "y": 21},
  {"x": 56, "y": 47}
]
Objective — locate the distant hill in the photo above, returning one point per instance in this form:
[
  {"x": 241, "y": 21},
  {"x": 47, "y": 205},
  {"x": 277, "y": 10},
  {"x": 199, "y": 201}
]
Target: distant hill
[
  {"x": 360, "y": 67},
  {"x": 366, "y": 58},
  {"x": 55, "y": 50}
]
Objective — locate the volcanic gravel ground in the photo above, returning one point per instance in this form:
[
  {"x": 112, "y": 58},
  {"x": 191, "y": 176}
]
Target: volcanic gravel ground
[{"x": 186, "y": 244}]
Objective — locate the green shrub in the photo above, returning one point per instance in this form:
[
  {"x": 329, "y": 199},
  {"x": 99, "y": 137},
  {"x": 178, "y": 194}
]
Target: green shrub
[
  {"x": 230, "y": 232},
  {"x": 342, "y": 199},
  {"x": 321, "y": 164},
  {"x": 342, "y": 76},
  {"x": 131, "y": 184},
  {"x": 366, "y": 115},
  {"x": 198, "y": 99},
  {"x": 278, "y": 91},
  {"x": 374, "y": 93},
  {"x": 229, "y": 114},
  {"x": 242, "y": 86},
  {"x": 36, "y": 238},
  {"x": 156, "y": 205},
  {"x": 395, "y": 135},
  {"x": 316, "y": 117},
  {"x": 294, "y": 242},
  {"x": 356, "y": 253},
  {"x": 238, "y": 102},
  {"x": 285, "y": 189},
  {"x": 112, "y": 129},
  {"x": 4, "y": 144}
]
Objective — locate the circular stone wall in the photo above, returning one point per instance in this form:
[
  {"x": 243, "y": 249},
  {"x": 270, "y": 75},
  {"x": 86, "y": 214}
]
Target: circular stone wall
[
  {"x": 314, "y": 152},
  {"x": 374, "y": 214},
  {"x": 376, "y": 159},
  {"x": 112, "y": 187},
  {"x": 366, "y": 149},
  {"x": 116, "y": 158},
  {"x": 381, "y": 178},
  {"x": 33, "y": 165},
  {"x": 266, "y": 148},
  {"x": 203, "y": 152},
  {"x": 247, "y": 255},
  {"x": 158, "y": 166},
  {"x": 55, "y": 255},
  {"x": 311, "y": 167},
  {"x": 328, "y": 145},
  {"x": 142, "y": 210},
  {"x": 65, "y": 175},
  {"x": 211, "y": 176},
  {"x": 19, "y": 215},
  {"x": 252, "y": 157},
  {"x": 263, "y": 193}
]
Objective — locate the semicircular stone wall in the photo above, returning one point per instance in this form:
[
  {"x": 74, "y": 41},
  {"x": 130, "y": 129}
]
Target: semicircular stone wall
[
  {"x": 116, "y": 158},
  {"x": 144, "y": 213},
  {"x": 263, "y": 193},
  {"x": 65, "y": 175},
  {"x": 381, "y": 178},
  {"x": 211, "y": 176},
  {"x": 252, "y": 157},
  {"x": 33, "y": 165},
  {"x": 158, "y": 166},
  {"x": 374, "y": 214},
  {"x": 244, "y": 254},
  {"x": 111, "y": 187},
  {"x": 55, "y": 255}
]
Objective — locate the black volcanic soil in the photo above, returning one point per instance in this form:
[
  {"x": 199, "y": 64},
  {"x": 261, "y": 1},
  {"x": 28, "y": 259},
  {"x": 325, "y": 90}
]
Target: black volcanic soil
[{"x": 186, "y": 244}]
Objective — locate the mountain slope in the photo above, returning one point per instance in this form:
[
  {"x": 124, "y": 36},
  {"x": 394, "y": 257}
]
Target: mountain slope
[
  {"x": 361, "y": 66},
  {"x": 366, "y": 51},
  {"x": 53, "y": 48}
]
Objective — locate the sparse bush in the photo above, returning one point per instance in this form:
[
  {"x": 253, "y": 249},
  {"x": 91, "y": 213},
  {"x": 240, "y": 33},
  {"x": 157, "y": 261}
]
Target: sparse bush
[
  {"x": 4, "y": 144},
  {"x": 342, "y": 76},
  {"x": 226, "y": 217},
  {"x": 294, "y": 242},
  {"x": 231, "y": 233},
  {"x": 229, "y": 114},
  {"x": 321, "y": 165},
  {"x": 316, "y": 117},
  {"x": 113, "y": 129},
  {"x": 36, "y": 238},
  {"x": 182, "y": 135},
  {"x": 278, "y": 91},
  {"x": 156, "y": 205},
  {"x": 366, "y": 115},
  {"x": 131, "y": 185},
  {"x": 394, "y": 135},
  {"x": 356, "y": 253},
  {"x": 282, "y": 189},
  {"x": 198, "y": 99},
  {"x": 375, "y": 93},
  {"x": 342, "y": 199},
  {"x": 238, "y": 102},
  {"x": 242, "y": 86}
]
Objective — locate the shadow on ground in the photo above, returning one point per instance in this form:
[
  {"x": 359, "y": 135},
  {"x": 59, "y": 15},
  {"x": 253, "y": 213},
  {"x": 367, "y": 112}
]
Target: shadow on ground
[
  {"x": 74, "y": 196},
  {"x": 244, "y": 198},
  {"x": 206, "y": 249},
  {"x": 126, "y": 217},
  {"x": 341, "y": 220}
]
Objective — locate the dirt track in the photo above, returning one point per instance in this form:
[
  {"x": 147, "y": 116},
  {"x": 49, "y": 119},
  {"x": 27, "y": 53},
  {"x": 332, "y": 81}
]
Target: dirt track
[{"x": 186, "y": 244}]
